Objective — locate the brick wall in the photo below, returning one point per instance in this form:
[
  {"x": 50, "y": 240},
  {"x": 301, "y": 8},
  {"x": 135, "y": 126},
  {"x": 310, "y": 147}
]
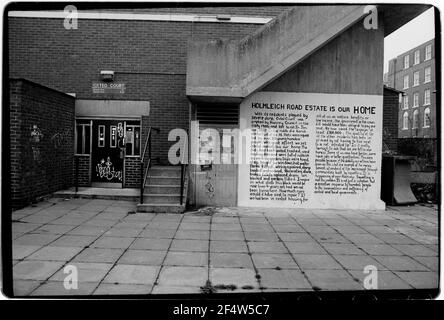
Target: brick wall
[
  {"x": 390, "y": 121},
  {"x": 84, "y": 173},
  {"x": 132, "y": 172},
  {"x": 39, "y": 168},
  {"x": 148, "y": 56}
]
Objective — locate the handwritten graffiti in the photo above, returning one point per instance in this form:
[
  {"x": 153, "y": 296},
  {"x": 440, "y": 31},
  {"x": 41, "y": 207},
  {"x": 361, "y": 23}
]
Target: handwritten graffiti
[
  {"x": 105, "y": 170},
  {"x": 60, "y": 138}
]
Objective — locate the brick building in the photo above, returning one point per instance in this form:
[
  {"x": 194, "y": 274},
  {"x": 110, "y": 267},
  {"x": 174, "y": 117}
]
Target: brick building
[
  {"x": 131, "y": 71},
  {"x": 413, "y": 72}
]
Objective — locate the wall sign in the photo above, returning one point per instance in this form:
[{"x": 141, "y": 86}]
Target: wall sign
[
  {"x": 114, "y": 87},
  {"x": 311, "y": 150}
]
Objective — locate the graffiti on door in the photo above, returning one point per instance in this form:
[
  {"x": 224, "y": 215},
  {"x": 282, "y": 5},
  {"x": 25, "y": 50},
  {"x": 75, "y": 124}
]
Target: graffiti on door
[{"x": 105, "y": 170}]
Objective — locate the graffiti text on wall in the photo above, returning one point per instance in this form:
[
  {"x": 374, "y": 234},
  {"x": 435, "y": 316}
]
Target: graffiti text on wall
[{"x": 105, "y": 170}]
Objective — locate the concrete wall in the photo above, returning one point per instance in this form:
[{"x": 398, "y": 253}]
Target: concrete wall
[
  {"x": 238, "y": 68},
  {"x": 39, "y": 168}
]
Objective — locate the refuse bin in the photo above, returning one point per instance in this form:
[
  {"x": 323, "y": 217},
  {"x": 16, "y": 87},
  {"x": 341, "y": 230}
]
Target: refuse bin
[{"x": 395, "y": 180}]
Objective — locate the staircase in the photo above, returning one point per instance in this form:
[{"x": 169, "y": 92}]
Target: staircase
[{"x": 162, "y": 191}]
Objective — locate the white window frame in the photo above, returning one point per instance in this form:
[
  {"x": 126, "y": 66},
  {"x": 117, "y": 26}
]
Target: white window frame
[
  {"x": 76, "y": 137},
  {"x": 101, "y": 142},
  {"x": 427, "y": 101},
  {"x": 406, "y": 62},
  {"x": 417, "y": 57},
  {"x": 415, "y": 119},
  {"x": 134, "y": 126},
  {"x": 408, "y": 80},
  {"x": 415, "y": 100},
  {"x": 429, "y": 75},
  {"x": 405, "y": 121},
  {"x": 428, "y": 52},
  {"x": 405, "y": 104},
  {"x": 416, "y": 78},
  {"x": 427, "y": 115}
]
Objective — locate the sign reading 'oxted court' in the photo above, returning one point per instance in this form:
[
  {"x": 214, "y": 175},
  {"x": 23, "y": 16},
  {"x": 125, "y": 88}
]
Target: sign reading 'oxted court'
[{"x": 312, "y": 151}]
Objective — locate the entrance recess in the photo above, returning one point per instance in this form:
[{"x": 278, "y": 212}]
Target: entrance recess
[{"x": 107, "y": 157}]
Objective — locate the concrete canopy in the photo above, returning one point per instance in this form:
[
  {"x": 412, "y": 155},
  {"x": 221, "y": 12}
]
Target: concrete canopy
[{"x": 228, "y": 71}]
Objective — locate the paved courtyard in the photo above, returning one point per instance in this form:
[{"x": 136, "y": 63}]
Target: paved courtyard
[{"x": 118, "y": 251}]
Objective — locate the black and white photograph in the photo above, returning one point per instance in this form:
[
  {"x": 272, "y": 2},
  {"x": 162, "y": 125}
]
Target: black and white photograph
[{"x": 220, "y": 149}]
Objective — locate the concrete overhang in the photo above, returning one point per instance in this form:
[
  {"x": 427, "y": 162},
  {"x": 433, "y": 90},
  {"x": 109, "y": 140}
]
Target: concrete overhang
[{"x": 228, "y": 71}]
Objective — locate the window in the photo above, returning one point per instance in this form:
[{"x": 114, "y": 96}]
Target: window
[
  {"x": 428, "y": 52},
  {"x": 132, "y": 140},
  {"x": 406, "y": 82},
  {"x": 415, "y": 100},
  {"x": 427, "y": 97},
  {"x": 83, "y": 138},
  {"x": 406, "y": 102},
  {"x": 427, "y": 119},
  {"x": 406, "y": 62},
  {"x": 101, "y": 136},
  {"x": 427, "y": 74},
  {"x": 416, "y": 78},
  {"x": 415, "y": 119},
  {"x": 405, "y": 121},
  {"x": 416, "y": 60},
  {"x": 113, "y": 136}
]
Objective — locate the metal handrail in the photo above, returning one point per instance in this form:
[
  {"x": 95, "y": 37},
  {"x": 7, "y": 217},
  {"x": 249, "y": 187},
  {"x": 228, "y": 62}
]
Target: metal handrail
[
  {"x": 143, "y": 169},
  {"x": 182, "y": 181}
]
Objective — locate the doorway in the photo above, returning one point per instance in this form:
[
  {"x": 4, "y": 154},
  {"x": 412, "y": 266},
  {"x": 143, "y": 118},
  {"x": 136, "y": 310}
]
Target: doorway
[{"x": 107, "y": 155}]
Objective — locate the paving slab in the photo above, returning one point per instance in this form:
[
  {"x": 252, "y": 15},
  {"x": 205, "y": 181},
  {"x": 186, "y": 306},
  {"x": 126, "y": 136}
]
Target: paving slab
[
  {"x": 414, "y": 250},
  {"x": 143, "y": 257},
  {"x": 54, "y": 229},
  {"x": 358, "y": 262},
  {"x": 189, "y": 245},
  {"x": 158, "y": 233},
  {"x": 337, "y": 280},
  {"x": 19, "y": 252},
  {"x": 260, "y": 236},
  {"x": 233, "y": 276},
  {"x": 132, "y": 274},
  {"x": 35, "y": 270},
  {"x": 151, "y": 244},
  {"x": 274, "y": 261},
  {"x": 24, "y": 287},
  {"x": 234, "y": 260},
  {"x": 122, "y": 232},
  {"x": 283, "y": 279},
  {"x": 228, "y": 246},
  {"x": 122, "y": 289},
  {"x": 342, "y": 248},
  {"x": 192, "y": 234},
  {"x": 305, "y": 247},
  {"x": 35, "y": 239},
  {"x": 57, "y": 288},
  {"x": 420, "y": 280},
  {"x": 226, "y": 235},
  {"x": 296, "y": 237},
  {"x": 400, "y": 263},
  {"x": 183, "y": 276},
  {"x": 176, "y": 290},
  {"x": 86, "y": 272},
  {"x": 385, "y": 280},
  {"x": 192, "y": 259},
  {"x": 99, "y": 255},
  {"x": 266, "y": 247},
  {"x": 50, "y": 253},
  {"x": 113, "y": 242},
  {"x": 73, "y": 241},
  {"x": 316, "y": 261},
  {"x": 380, "y": 250}
]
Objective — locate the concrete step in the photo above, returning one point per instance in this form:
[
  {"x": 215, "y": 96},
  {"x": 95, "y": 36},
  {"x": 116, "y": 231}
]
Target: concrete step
[
  {"x": 162, "y": 189},
  {"x": 169, "y": 198},
  {"x": 162, "y": 180},
  {"x": 161, "y": 208},
  {"x": 165, "y": 171}
]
